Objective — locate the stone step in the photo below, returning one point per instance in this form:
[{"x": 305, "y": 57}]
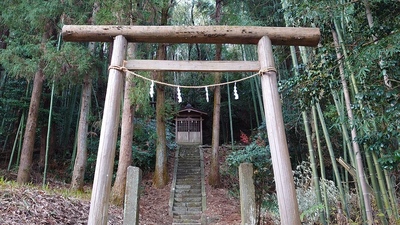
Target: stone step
[
  {"x": 196, "y": 179},
  {"x": 186, "y": 172},
  {"x": 198, "y": 174},
  {"x": 188, "y": 176},
  {"x": 187, "y": 182},
  {"x": 186, "y": 223},
  {"x": 182, "y": 195},
  {"x": 188, "y": 199},
  {"x": 186, "y": 209},
  {"x": 189, "y": 164},
  {"x": 188, "y": 186},
  {"x": 188, "y": 217},
  {"x": 189, "y": 171},
  {"x": 187, "y": 204},
  {"x": 181, "y": 213},
  {"x": 197, "y": 190},
  {"x": 189, "y": 160}
]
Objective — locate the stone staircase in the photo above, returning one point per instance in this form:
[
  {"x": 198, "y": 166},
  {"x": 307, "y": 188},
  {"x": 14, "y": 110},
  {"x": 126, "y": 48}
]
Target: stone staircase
[{"x": 187, "y": 200}]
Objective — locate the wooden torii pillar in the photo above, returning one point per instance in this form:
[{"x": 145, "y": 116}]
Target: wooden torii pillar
[{"x": 264, "y": 37}]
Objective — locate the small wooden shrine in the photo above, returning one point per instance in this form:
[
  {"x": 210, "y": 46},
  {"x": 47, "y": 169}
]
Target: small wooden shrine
[{"x": 189, "y": 126}]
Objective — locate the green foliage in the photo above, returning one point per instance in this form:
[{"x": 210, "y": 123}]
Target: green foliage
[
  {"x": 13, "y": 102},
  {"x": 70, "y": 64},
  {"x": 314, "y": 209},
  {"x": 258, "y": 154},
  {"x": 144, "y": 143},
  {"x": 306, "y": 194}
]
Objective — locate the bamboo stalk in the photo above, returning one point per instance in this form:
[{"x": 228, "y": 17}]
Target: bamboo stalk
[
  {"x": 48, "y": 135},
  {"x": 230, "y": 113},
  {"x": 392, "y": 194},
  {"x": 321, "y": 163},
  {"x": 332, "y": 157},
  {"x": 15, "y": 142},
  {"x": 376, "y": 191},
  {"x": 382, "y": 187},
  {"x": 243, "y": 48},
  {"x": 260, "y": 99},
  {"x": 356, "y": 148},
  {"x": 313, "y": 165}
]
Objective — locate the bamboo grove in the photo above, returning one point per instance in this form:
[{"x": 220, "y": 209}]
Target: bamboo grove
[{"x": 340, "y": 100}]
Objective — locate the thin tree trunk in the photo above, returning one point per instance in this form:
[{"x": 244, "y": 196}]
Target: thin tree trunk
[
  {"x": 31, "y": 124},
  {"x": 160, "y": 178},
  {"x": 214, "y": 178},
  {"x": 125, "y": 152},
  {"x": 78, "y": 174},
  {"x": 30, "y": 130},
  {"x": 356, "y": 148}
]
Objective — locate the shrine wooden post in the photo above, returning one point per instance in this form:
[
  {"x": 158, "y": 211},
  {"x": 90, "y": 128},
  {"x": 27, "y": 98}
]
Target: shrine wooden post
[
  {"x": 108, "y": 137},
  {"x": 283, "y": 175},
  {"x": 264, "y": 37}
]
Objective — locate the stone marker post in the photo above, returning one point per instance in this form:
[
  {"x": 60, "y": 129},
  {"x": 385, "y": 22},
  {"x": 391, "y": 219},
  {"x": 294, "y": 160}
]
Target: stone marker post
[
  {"x": 247, "y": 194},
  {"x": 132, "y": 196}
]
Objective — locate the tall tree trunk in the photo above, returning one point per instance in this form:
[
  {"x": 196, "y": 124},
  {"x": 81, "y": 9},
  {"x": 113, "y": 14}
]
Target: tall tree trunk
[
  {"x": 160, "y": 178},
  {"x": 125, "y": 152},
  {"x": 31, "y": 124},
  {"x": 78, "y": 174},
  {"x": 128, "y": 113},
  {"x": 214, "y": 177},
  {"x": 356, "y": 148}
]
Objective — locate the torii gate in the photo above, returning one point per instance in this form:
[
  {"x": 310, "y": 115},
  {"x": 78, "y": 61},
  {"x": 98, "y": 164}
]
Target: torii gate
[{"x": 264, "y": 37}]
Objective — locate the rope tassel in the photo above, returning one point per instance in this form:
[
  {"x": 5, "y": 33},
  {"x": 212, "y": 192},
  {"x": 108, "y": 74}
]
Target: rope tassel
[
  {"x": 235, "y": 92},
  {"x": 179, "y": 95},
  {"x": 152, "y": 89},
  {"x": 207, "y": 94}
]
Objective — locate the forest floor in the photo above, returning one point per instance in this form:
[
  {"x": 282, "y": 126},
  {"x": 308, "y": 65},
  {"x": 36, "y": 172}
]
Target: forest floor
[{"x": 55, "y": 204}]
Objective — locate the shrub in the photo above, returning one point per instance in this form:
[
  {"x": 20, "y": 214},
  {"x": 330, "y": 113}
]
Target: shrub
[
  {"x": 144, "y": 143},
  {"x": 258, "y": 154}
]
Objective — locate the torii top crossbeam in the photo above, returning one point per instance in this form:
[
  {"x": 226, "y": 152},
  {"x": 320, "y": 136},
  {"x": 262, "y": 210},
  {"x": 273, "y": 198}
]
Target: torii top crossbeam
[{"x": 193, "y": 34}]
